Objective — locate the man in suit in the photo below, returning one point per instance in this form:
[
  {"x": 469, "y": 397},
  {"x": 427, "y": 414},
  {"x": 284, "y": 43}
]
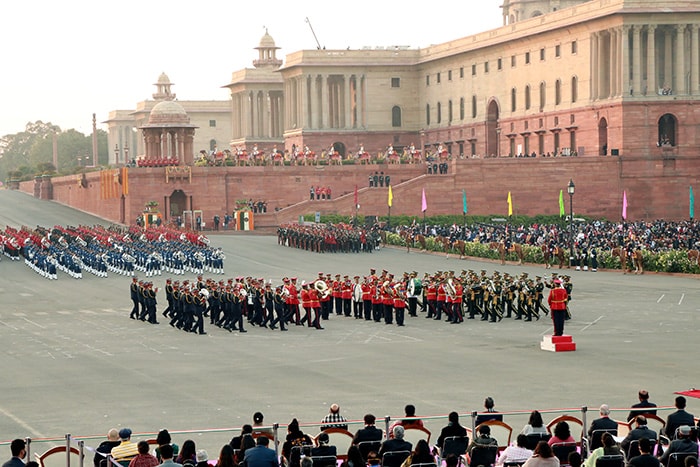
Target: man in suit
[
  {"x": 19, "y": 451},
  {"x": 681, "y": 444},
  {"x": 369, "y": 432},
  {"x": 643, "y": 404},
  {"x": 260, "y": 455},
  {"x": 397, "y": 443},
  {"x": 490, "y": 414},
  {"x": 604, "y": 422},
  {"x": 646, "y": 458},
  {"x": 640, "y": 431},
  {"x": 678, "y": 418}
]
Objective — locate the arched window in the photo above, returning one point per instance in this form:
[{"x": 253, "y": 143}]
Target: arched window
[
  {"x": 427, "y": 114},
  {"x": 513, "y": 101},
  {"x": 557, "y": 92},
  {"x": 212, "y": 144},
  {"x": 574, "y": 89},
  {"x": 527, "y": 97},
  {"x": 396, "y": 116},
  {"x": 543, "y": 95},
  {"x": 473, "y": 106},
  {"x": 667, "y": 130}
]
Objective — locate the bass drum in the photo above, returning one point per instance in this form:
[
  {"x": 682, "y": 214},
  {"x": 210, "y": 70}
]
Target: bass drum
[{"x": 415, "y": 287}]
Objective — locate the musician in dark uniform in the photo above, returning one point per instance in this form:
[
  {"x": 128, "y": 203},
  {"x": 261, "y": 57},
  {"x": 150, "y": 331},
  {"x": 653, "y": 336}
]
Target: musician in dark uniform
[
  {"x": 168, "y": 297},
  {"x": 279, "y": 306},
  {"x": 134, "y": 290}
]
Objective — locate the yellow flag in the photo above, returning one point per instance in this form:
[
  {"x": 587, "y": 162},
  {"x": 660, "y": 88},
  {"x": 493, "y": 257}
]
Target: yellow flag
[
  {"x": 510, "y": 205},
  {"x": 391, "y": 197}
]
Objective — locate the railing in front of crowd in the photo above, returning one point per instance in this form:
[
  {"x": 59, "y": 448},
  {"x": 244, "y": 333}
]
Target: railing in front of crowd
[{"x": 77, "y": 443}]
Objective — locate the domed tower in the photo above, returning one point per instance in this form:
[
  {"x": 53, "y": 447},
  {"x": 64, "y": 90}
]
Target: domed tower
[
  {"x": 267, "y": 53},
  {"x": 169, "y": 133},
  {"x": 163, "y": 92},
  {"x": 519, "y": 10}
]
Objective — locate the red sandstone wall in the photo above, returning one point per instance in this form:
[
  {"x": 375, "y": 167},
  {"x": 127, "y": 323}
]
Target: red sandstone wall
[{"x": 656, "y": 187}]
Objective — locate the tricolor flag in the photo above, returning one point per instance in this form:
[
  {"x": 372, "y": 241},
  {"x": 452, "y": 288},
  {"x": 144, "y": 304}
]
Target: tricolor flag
[
  {"x": 390, "y": 201},
  {"x": 510, "y": 205},
  {"x": 624, "y": 205},
  {"x": 562, "y": 211},
  {"x": 424, "y": 203}
]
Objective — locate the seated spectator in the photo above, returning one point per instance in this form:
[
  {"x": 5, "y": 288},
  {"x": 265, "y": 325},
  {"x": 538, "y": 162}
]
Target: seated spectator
[
  {"x": 453, "y": 428},
  {"x": 535, "y": 425},
  {"x": 354, "y": 458},
  {"x": 483, "y": 439},
  {"x": 609, "y": 448},
  {"x": 18, "y": 448},
  {"x": 683, "y": 443},
  {"x": 640, "y": 431},
  {"x": 323, "y": 449},
  {"x": 690, "y": 461},
  {"x": 235, "y": 442},
  {"x": 143, "y": 458},
  {"x": 396, "y": 443},
  {"x": 188, "y": 454},
  {"x": 373, "y": 459},
  {"x": 105, "y": 447},
  {"x": 127, "y": 449},
  {"x": 162, "y": 439},
  {"x": 295, "y": 438},
  {"x": 166, "y": 453},
  {"x": 409, "y": 411},
  {"x": 678, "y": 418},
  {"x": 643, "y": 403},
  {"x": 451, "y": 460},
  {"x": 574, "y": 459},
  {"x": 562, "y": 434},
  {"x": 247, "y": 442},
  {"x": 369, "y": 432},
  {"x": 258, "y": 425},
  {"x": 604, "y": 422},
  {"x": 490, "y": 414},
  {"x": 646, "y": 458},
  {"x": 226, "y": 458},
  {"x": 517, "y": 452},
  {"x": 421, "y": 455},
  {"x": 332, "y": 419},
  {"x": 542, "y": 457},
  {"x": 261, "y": 455}
]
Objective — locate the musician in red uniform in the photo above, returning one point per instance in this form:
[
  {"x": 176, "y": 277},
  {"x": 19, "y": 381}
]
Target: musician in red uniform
[
  {"x": 457, "y": 302},
  {"x": 441, "y": 296},
  {"x": 346, "y": 295},
  {"x": 431, "y": 297},
  {"x": 399, "y": 303},
  {"x": 306, "y": 301},
  {"x": 294, "y": 301},
  {"x": 367, "y": 298},
  {"x": 338, "y": 295},
  {"x": 315, "y": 305},
  {"x": 557, "y": 304}
]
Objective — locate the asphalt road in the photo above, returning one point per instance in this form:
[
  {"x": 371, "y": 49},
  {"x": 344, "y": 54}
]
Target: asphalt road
[{"x": 73, "y": 362}]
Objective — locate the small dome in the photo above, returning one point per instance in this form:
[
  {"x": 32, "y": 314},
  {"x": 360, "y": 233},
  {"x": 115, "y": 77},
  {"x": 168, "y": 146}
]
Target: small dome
[
  {"x": 267, "y": 42},
  {"x": 168, "y": 112},
  {"x": 163, "y": 79}
]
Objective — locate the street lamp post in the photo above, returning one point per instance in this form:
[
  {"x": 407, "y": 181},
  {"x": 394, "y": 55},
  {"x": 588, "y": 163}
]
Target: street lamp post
[
  {"x": 116, "y": 154},
  {"x": 570, "y": 189}
]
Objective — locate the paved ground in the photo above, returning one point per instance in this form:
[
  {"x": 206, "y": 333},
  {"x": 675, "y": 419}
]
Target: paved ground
[{"x": 72, "y": 361}]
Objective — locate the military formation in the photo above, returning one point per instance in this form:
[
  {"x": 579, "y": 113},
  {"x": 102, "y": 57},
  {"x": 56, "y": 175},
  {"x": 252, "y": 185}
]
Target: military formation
[
  {"x": 329, "y": 238},
  {"x": 382, "y": 298}
]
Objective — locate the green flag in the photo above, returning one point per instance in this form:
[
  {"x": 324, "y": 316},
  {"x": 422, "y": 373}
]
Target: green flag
[
  {"x": 562, "y": 211},
  {"x": 692, "y": 203},
  {"x": 464, "y": 201}
]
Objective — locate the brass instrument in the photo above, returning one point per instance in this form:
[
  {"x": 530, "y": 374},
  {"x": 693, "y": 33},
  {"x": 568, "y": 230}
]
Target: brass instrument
[
  {"x": 322, "y": 288},
  {"x": 450, "y": 288}
]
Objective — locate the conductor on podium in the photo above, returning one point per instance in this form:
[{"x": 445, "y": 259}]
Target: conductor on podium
[{"x": 557, "y": 304}]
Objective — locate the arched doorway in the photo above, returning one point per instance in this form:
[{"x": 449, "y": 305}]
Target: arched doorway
[
  {"x": 178, "y": 203},
  {"x": 340, "y": 148},
  {"x": 667, "y": 130},
  {"x": 603, "y": 137},
  {"x": 492, "y": 130}
]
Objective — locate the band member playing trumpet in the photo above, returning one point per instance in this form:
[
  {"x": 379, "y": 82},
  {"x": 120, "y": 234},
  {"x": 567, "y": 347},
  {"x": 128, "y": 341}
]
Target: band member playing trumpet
[
  {"x": 441, "y": 297},
  {"x": 315, "y": 307}
]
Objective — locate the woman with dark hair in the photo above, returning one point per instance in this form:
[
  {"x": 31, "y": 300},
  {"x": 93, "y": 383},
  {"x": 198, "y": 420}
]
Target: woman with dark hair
[
  {"x": 542, "y": 457},
  {"x": 247, "y": 442},
  {"x": 562, "y": 434},
  {"x": 188, "y": 454},
  {"x": 421, "y": 455},
  {"x": 354, "y": 458},
  {"x": 295, "y": 437},
  {"x": 534, "y": 425},
  {"x": 452, "y": 429},
  {"x": 226, "y": 457},
  {"x": 609, "y": 448},
  {"x": 162, "y": 439}
]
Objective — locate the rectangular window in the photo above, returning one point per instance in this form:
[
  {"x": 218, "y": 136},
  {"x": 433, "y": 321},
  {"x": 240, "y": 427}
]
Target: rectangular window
[
  {"x": 500, "y": 63},
  {"x": 557, "y": 50},
  {"x": 473, "y": 70},
  {"x": 461, "y": 72},
  {"x": 212, "y": 123},
  {"x": 438, "y": 78},
  {"x": 449, "y": 75},
  {"x": 427, "y": 80},
  {"x": 542, "y": 54},
  {"x": 574, "y": 47},
  {"x": 512, "y": 61},
  {"x": 527, "y": 58},
  {"x": 395, "y": 82},
  {"x": 486, "y": 67}
]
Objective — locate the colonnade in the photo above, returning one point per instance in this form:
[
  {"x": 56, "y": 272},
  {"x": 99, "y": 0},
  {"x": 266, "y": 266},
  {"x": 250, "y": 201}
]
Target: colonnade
[
  {"x": 176, "y": 143},
  {"x": 258, "y": 114}
]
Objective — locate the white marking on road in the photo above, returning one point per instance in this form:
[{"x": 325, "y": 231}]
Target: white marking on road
[
  {"x": 61, "y": 312},
  {"x": 34, "y": 323},
  {"x": 24, "y": 294},
  {"x": 591, "y": 324},
  {"x": 375, "y": 335},
  {"x": 151, "y": 348},
  {"x": 22, "y": 423},
  {"x": 9, "y": 326},
  {"x": 661, "y": 297},
  {"x": 681, "y": 300}
]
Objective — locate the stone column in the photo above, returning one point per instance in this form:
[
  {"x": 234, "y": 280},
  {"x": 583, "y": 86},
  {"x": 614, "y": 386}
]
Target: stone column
[
  {"x": 313, "y": 118},
  {"x": 694, "y": 62},
  {"x": 652, "y": 87},
  {"x": 612, "y": 70},
  {"x": 637, "y": 59},
  {"x": 625, "y": 83},
  {"x": 668, "y": 60},
  {"x": 347, "y": 111},
  {"x": 324, "y": 117},
  {"x": 680, "y": 86},
  {"x": 594, "y": 65}
]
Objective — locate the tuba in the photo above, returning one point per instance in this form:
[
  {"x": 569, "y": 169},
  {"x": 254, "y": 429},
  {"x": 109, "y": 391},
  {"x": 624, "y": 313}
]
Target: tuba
[
  {"x": 450, "y": 288},
  {"x": 322, "y": 288}
]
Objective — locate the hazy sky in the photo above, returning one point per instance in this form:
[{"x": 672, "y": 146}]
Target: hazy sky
[{"x": 64, "y": 61}]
